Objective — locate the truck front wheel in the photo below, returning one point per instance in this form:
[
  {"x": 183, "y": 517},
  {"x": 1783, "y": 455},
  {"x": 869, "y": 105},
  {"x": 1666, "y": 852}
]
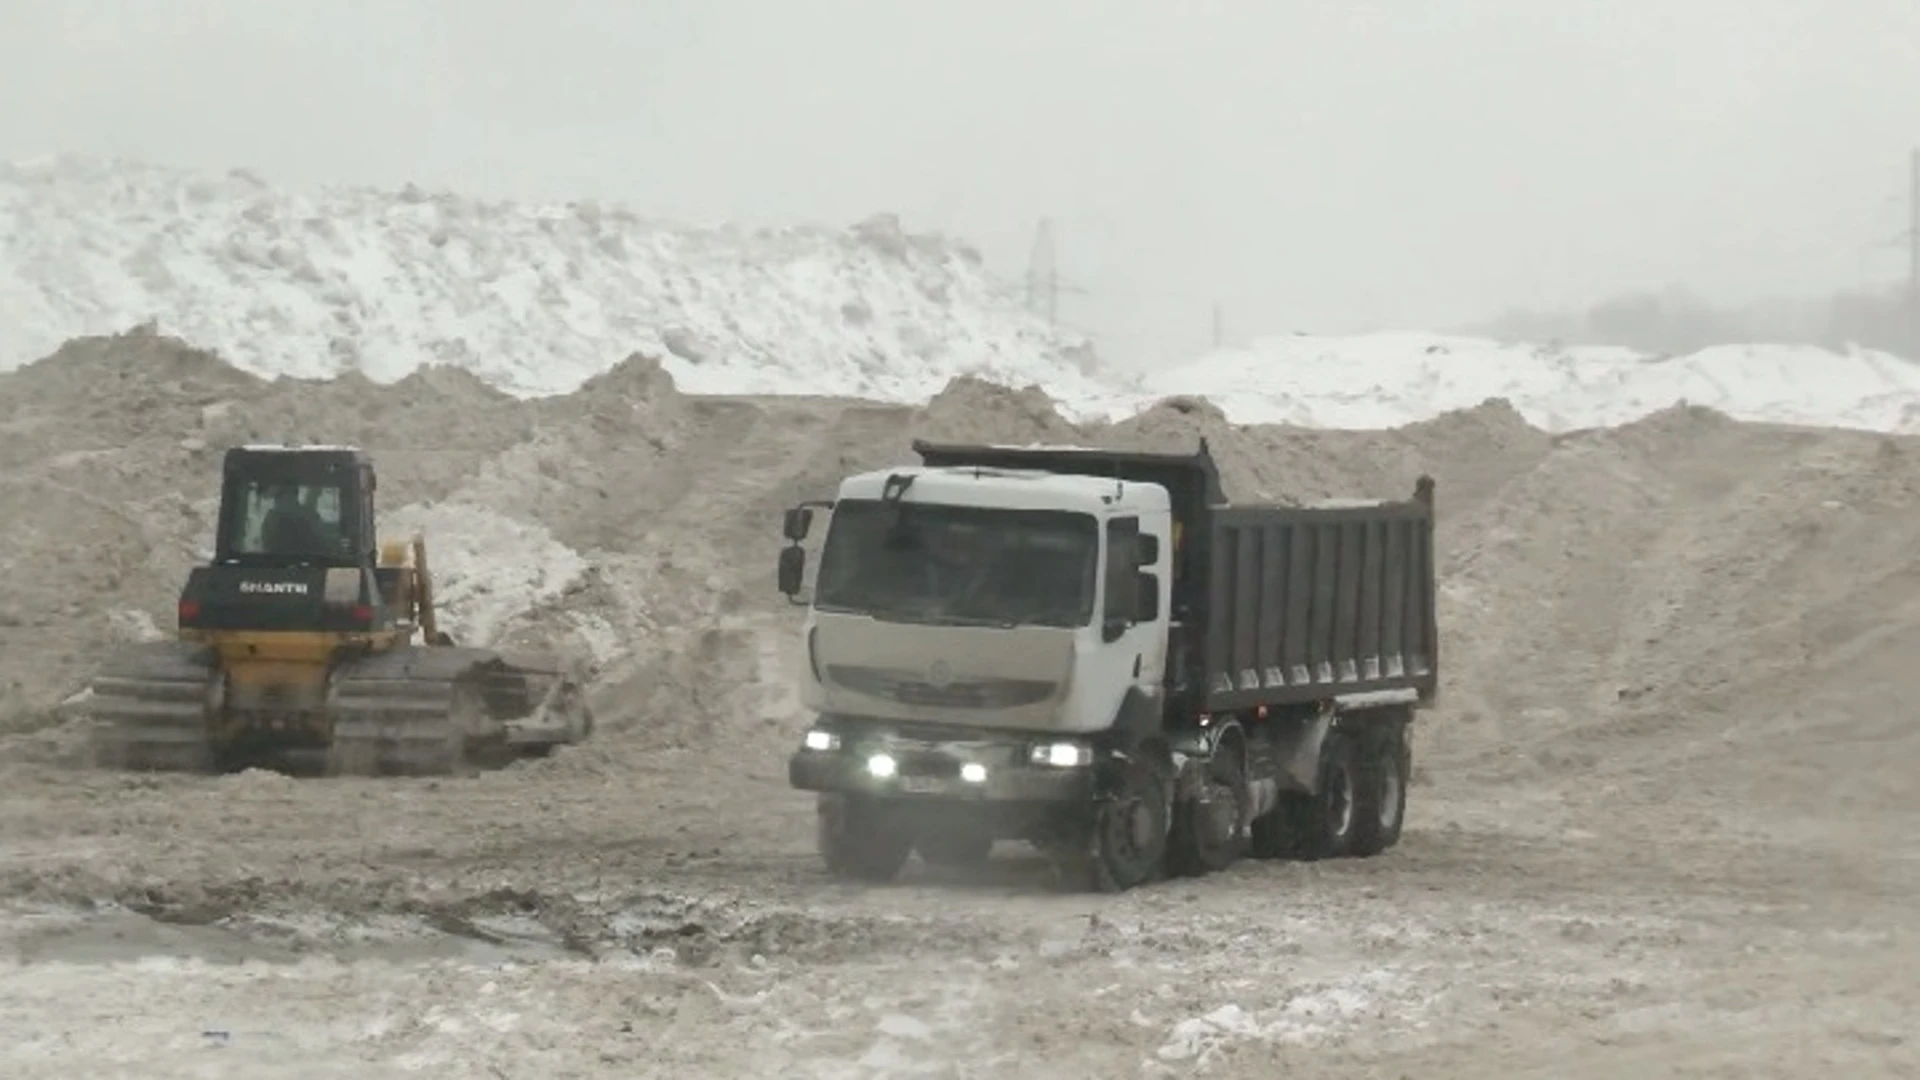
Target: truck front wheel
[
  {"x": 860, "y": 840},
  {"x": 1127, "y": 841}
]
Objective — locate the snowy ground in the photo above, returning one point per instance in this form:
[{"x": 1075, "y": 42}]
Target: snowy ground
[{"x": 1467, "y": 954}]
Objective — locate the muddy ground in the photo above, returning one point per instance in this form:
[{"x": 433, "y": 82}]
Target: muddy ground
[{"x": 1664, "y": 820}]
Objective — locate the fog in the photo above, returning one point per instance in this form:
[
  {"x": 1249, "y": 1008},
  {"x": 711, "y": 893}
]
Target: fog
[{"x": 1305, "y": 165}]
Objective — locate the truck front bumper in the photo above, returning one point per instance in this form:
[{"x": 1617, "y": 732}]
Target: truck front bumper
[{"x": 997, "y": 768}]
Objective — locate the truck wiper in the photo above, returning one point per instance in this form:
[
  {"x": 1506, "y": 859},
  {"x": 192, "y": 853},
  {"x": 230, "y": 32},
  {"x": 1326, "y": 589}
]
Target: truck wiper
[
  {"x": 914, "y": 617},
  {"x": 931, "y": 618},
  {"x": 971, "y": 620}
]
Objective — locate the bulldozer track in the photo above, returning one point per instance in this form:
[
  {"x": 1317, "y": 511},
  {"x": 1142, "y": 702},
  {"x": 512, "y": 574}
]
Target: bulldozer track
[
  {"x": 150, "y": 704},
  {"x": 404, "y": 727},
  {"x": 412, "y": 711}
]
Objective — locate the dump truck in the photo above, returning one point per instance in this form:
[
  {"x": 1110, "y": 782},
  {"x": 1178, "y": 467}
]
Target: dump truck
[
  {"x": 308, "y": 642},
  {"x": 1097, "y": 653}
]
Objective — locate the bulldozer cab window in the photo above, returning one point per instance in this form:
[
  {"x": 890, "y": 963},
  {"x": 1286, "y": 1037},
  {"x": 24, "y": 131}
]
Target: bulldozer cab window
[{"x": 280, "y": 519}]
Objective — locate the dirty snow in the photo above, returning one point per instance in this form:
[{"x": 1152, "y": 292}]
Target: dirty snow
[
  {"x": 487, "y": 568},
  {"x": 1707, "y": 653},
  {"x": 1662, "y": 822}
]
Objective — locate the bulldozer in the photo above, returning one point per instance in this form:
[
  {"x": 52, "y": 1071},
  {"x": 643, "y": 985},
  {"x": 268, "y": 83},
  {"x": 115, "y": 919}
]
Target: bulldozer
[{"x": 308, "y": 643}]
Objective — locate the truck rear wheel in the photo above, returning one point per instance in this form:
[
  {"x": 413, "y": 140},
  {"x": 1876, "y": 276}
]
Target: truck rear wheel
[
  {"x": 860, "y": 840},
  {"x": 1273, "y": 834},
  {"x": 1381, "y": 798},
  {"x": 1206, "y": 830},
  {"x": 1326, "y": 820}
]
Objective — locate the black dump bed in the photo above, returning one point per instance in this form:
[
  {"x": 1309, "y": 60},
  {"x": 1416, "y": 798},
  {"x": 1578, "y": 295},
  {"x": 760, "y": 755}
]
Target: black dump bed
[
  {"x": 1313, "y": 602},
  {"x": 1273, "y": 604}
]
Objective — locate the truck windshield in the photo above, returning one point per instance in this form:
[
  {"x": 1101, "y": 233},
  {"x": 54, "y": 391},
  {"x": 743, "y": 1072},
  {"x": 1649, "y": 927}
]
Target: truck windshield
[{"x": 964, "y": 565}]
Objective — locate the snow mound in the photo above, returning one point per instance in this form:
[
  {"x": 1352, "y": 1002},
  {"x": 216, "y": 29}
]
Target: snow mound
[
  {"x": 533, "y": 299},
  {"x": 538, "y": 300},
  {"x": 1385, "y": 380},
  {"x": 488, "y": 569}
]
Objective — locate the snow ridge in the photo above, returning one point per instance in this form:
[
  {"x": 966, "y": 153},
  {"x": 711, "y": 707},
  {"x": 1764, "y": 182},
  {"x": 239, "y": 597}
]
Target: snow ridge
[
  {"x": 534, "y": 299},
  {"x": 1385, "y": 380},
  {"x": 537, "y": 299}
]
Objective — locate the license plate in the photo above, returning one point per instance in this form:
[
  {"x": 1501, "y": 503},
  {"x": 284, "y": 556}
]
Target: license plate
[{"x": 920, "y": 784}]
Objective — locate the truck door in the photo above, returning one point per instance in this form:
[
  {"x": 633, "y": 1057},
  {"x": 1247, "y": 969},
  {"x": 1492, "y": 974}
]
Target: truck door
[{"x": 1135, "y": 636}]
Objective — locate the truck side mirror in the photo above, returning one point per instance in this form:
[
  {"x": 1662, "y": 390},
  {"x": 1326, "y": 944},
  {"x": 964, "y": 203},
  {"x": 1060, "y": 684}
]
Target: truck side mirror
[
  {"x": 1146, "y": 604},
  {"x": 1146, "y": 549},
  {"x": 793, "y": 568},
  {"x": 798, "y": 522}
]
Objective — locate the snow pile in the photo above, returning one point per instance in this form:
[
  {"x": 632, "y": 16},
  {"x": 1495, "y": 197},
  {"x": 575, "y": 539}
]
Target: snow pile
[
  {"x": 1384, "y": 380},
  {"x": 487, "y": 569},
  {"x": 534, "y": 299},
  {"x": 537, "y": 299}
]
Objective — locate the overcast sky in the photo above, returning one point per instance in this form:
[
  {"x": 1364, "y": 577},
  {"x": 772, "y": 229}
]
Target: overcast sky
[{"x": 1308, "y": 164}]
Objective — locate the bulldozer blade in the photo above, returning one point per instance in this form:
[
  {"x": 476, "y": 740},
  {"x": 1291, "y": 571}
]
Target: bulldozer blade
[{"x": 560, "y": 717}]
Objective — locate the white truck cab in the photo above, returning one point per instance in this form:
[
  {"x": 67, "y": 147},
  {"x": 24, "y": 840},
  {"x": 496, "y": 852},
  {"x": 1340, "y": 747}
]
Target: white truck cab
[{"x": 998, "y": 599}]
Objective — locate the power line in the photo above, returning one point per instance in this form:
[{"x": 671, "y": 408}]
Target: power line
[
  {"x": 1044, "y": 283},
  {"x": 1913, "y": 255},
  {"x": 1896, "y": 325}
]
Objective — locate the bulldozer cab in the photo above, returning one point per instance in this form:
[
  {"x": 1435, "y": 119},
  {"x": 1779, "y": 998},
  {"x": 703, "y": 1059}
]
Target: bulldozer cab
[
  {"x": 295, "y": 549},
  {"x": 300, "y": 506}
]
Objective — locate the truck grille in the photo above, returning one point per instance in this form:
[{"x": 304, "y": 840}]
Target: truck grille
[
  {"x": 912, "y": 688},
  {"x": 929, "y": 764}
]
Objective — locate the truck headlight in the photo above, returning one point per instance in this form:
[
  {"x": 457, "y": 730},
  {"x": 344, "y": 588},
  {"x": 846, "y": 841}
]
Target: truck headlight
[
  {"x": 882, "y": 766},
  {"x": 821, "y": 740},
  {"x": 1061, "y": 755}
]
